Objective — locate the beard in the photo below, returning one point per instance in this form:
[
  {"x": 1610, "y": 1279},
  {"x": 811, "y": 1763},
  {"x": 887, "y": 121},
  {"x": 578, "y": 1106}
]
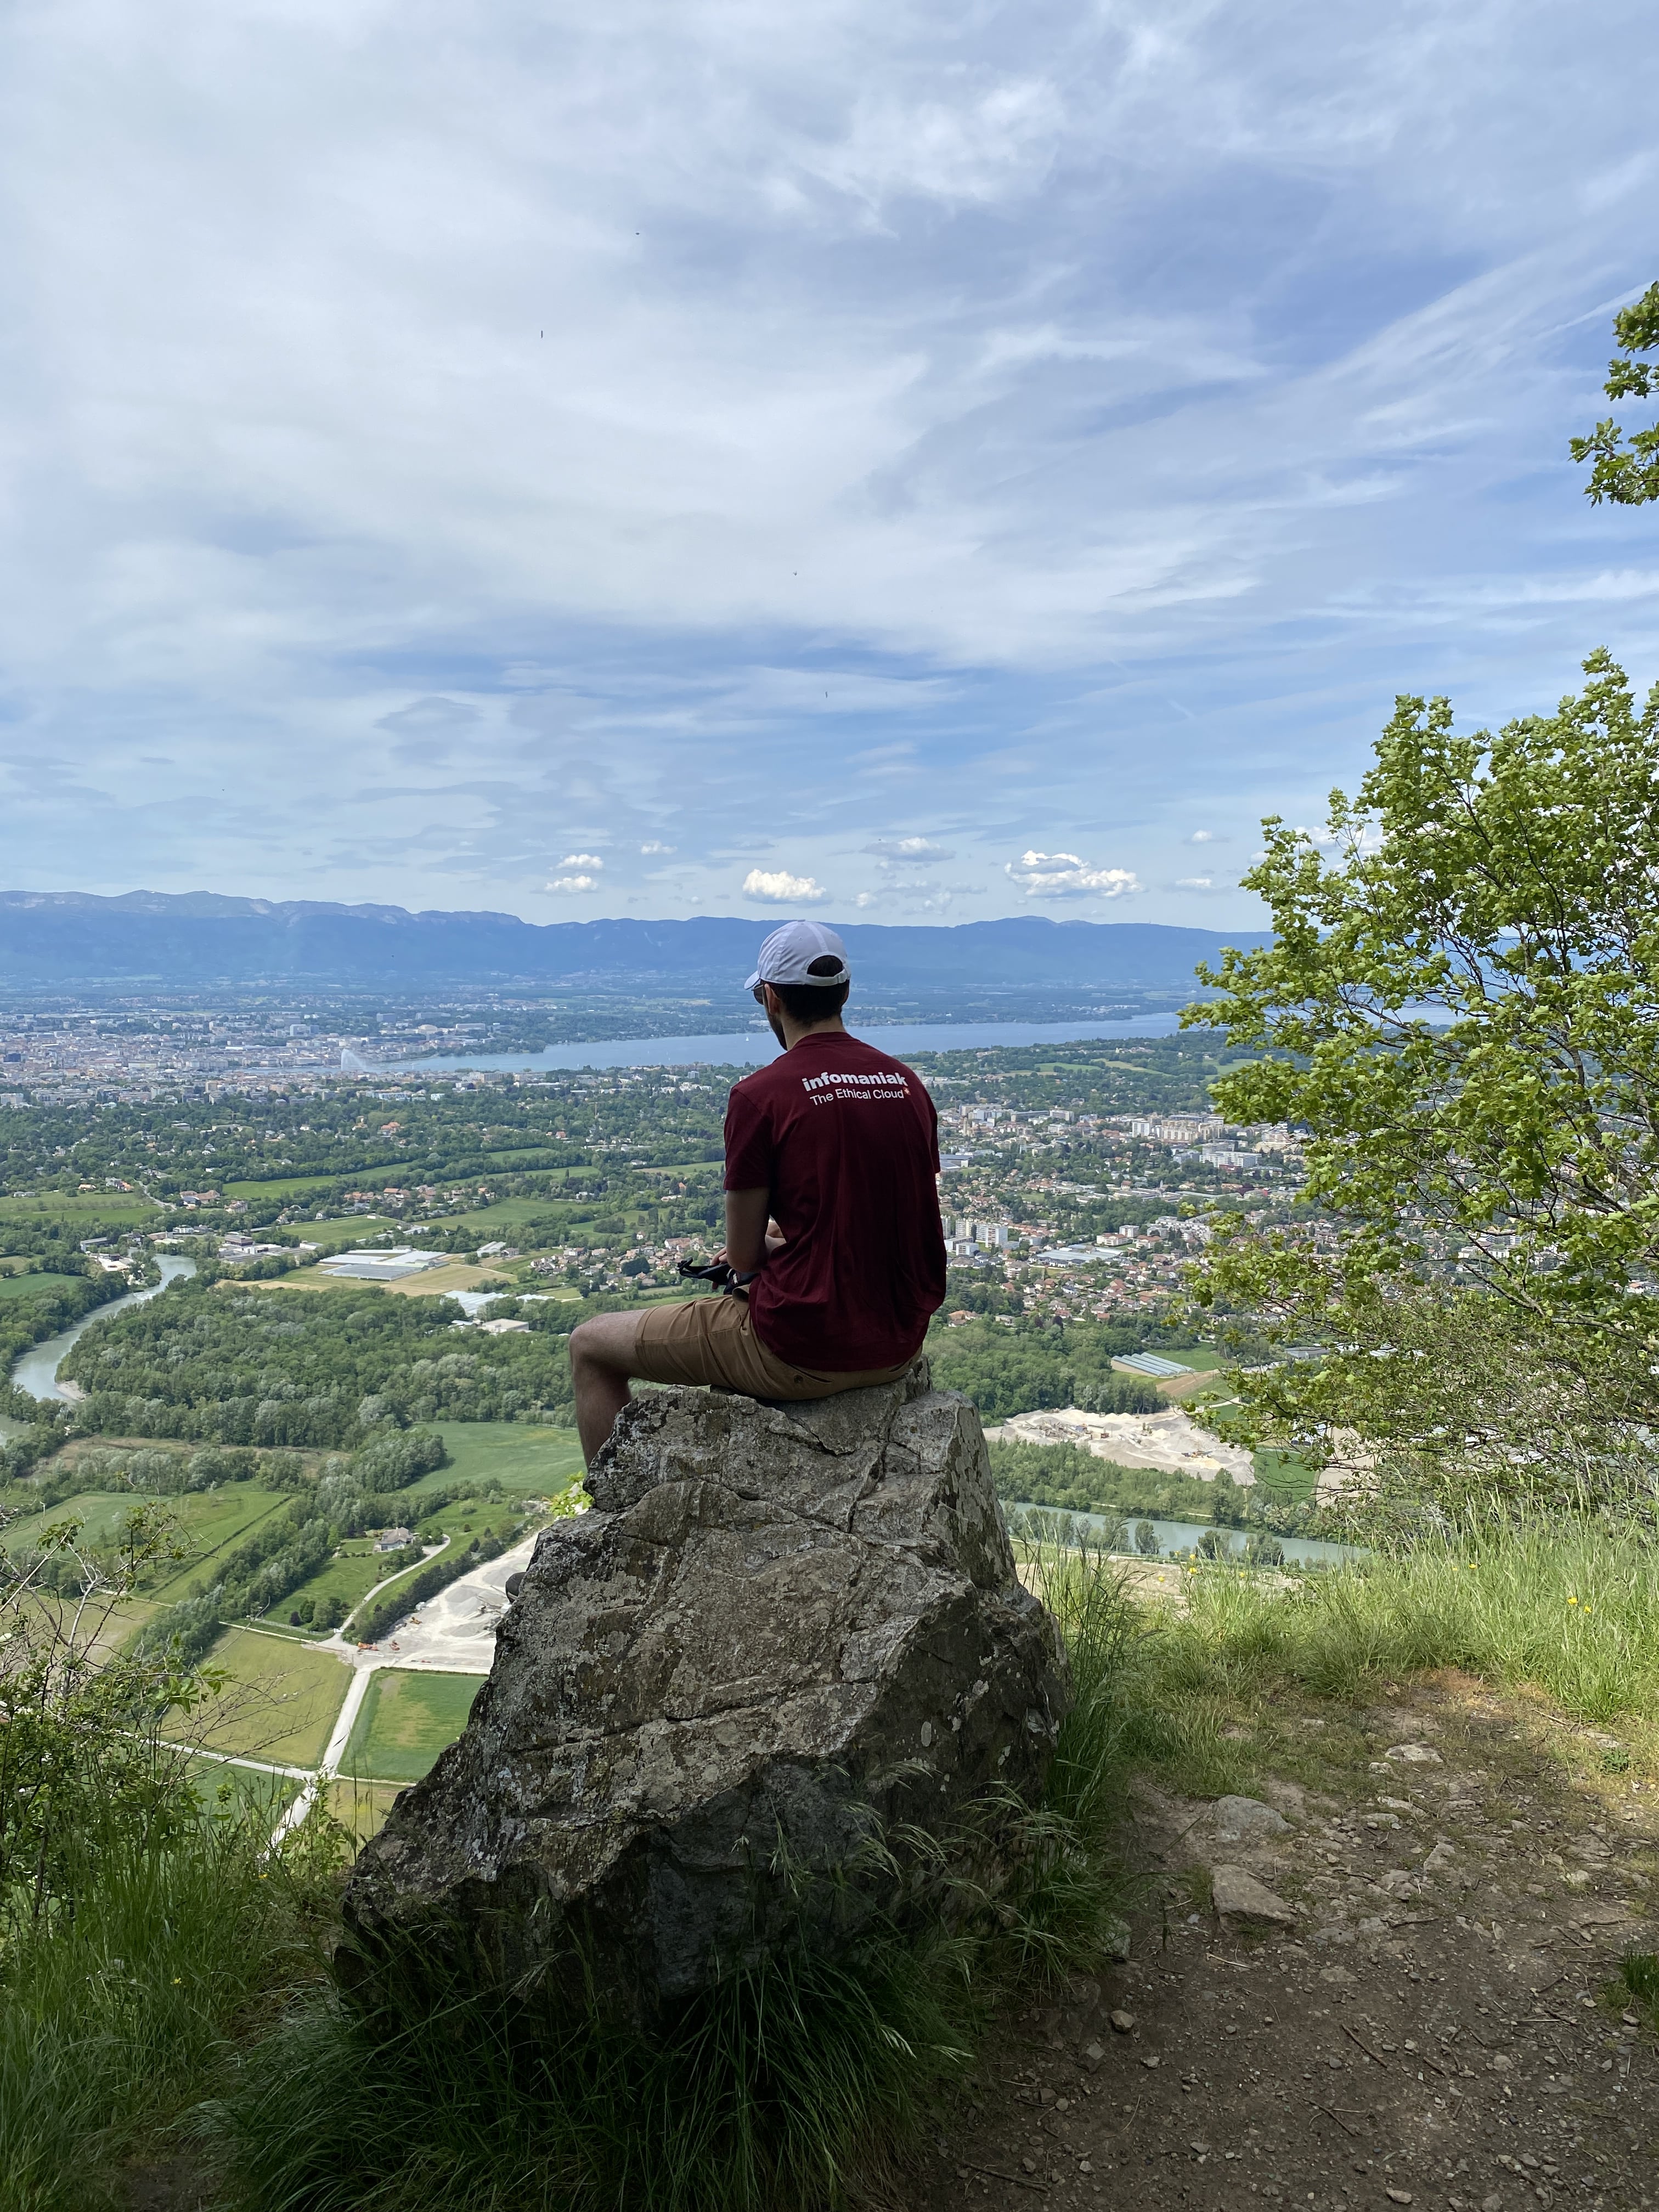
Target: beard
[{"x": 774, "y": 1022}]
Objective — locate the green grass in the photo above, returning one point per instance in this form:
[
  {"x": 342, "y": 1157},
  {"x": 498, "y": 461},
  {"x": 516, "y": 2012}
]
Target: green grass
[
  {"x": 207, "y": 1521},
  {"x": 526, "y": 1460},
  {"x": 407, "y": 1719},
  {"x": 1289, "y": 1480},
  {"x": 117, "y": 2014},
  {"x": 503, "y": 1214},
  {"x": 1636, "y": 1988},
  {"x": 280, "y": 1701},
  {"x": 221, "y": 1788},
  {"x": 1567, "y": 1612},
  {"x": 351, "y": 1579},
  {"x": 284, "y": 1187},
  {"x": 117, "y": 1208},
  {"x": 346, "y": 1236},
  {"x": 34, "y": 1286}
]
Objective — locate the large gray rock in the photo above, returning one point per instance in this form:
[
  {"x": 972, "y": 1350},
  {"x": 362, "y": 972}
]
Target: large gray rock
[{"x": 779, "y": 1628}]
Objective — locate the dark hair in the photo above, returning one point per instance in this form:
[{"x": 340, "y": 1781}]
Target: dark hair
[{"x": 814, "y": 1002}]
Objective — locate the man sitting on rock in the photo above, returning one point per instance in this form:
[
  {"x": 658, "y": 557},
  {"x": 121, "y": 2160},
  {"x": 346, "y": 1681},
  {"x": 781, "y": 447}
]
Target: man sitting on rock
[{"x": 832, "y": 1223}]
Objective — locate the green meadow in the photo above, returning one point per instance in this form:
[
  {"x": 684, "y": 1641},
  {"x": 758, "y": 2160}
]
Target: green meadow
[
  {"x": 116, "y": 1208},
  {"x": 282, "y": 1187},
  {"x": 526, "y": 1460},
  {"x": 280, "y": 1701},
  {"x": 34, "y": 1286},
  {"x": 206, "y": 1522},
  {"x": 407, "y": 1719}
]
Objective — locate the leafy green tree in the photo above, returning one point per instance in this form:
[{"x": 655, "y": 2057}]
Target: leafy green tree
[
  {"x": 1460, "y": 1008},
  {"x": 1627, "y": 475}
]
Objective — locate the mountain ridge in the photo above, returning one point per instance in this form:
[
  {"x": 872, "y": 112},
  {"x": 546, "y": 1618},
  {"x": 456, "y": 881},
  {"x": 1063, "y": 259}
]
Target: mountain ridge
[{"x": 196, "y": 938}]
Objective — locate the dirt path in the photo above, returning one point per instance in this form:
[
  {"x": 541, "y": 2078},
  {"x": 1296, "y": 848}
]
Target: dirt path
[{"x": 1426, "y": 2026}]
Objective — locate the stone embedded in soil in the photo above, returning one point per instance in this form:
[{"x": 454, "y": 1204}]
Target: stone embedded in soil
[
  {"x": 778, "y": 1625},
  {"x": 1413, "y": 1754},
  {"x": 1238, "y": 1895},
  {"x": 1237, "y": 1822}
]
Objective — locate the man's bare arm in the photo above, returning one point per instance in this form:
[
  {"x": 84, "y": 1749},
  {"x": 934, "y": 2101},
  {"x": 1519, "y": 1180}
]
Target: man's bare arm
[{"x": 751, "y": 1236}]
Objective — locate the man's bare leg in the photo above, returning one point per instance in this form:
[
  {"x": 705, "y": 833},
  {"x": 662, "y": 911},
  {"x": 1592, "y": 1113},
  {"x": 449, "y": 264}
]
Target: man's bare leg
[{"x": 601, "y": 1361}]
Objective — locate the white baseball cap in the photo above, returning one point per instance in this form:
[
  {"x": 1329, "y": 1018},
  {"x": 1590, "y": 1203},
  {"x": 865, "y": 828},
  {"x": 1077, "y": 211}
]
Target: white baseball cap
[{"x": 789, "y": 953}]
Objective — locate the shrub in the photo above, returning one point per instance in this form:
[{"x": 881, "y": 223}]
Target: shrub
[{"x": 396, "y": 1459}]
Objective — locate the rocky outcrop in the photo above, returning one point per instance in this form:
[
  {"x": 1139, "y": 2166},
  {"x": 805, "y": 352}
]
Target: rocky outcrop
[{"x": 783, "y": 1632}]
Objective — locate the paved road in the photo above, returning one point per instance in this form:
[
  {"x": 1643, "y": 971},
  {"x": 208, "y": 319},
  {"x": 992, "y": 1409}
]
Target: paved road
[
  {"x": 453, "y": 1633},
  {"x": 334, "y": 1751}
]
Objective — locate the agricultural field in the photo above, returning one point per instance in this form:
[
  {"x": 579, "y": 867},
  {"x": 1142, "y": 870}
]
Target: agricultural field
[
  {"x": 1290, "y": 1478},
  {"x": 280, "y": 1701},
  {"x": 15, "y": 1286},
  {"x": 115, "y": 1208},
  {"x": 527, "y": 1461},
  {"x": 435, "y": 1283},
  {"x": 219, "y": 1785},
  {"x": 360, "y": 1807},
  {"x": 457, "y": 1275},
  {"x": 284, "y": 1188},
  {"x": 406, "y": 1720},
  {"x": 504, "y": 1215},
  {"x": 208, "y": 1520},
  {"x": 346, "y": 1236}
]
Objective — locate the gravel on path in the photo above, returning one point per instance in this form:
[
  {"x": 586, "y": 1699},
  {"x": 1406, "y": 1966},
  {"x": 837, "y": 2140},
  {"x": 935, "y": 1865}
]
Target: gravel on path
[{"x": 1427, "y": 2025}]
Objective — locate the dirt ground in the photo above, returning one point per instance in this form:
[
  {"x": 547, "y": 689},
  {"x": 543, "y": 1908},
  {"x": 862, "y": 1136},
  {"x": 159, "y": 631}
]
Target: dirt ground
[{"x": 1411, "y": 2011}]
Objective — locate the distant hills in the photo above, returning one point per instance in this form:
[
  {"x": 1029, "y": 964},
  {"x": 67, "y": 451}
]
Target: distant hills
[{"x": 71, "y": 938}]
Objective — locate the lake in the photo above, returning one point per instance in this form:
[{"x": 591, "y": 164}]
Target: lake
[{"x": 754, "y": 1048}]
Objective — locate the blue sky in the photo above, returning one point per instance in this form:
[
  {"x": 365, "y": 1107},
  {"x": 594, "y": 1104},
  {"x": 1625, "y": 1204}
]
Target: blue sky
[{"x": 918, "y": 461}]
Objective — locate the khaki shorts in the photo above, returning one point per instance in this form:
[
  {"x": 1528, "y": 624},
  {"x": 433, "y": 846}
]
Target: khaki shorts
[{"x": 712, "y": 1340}]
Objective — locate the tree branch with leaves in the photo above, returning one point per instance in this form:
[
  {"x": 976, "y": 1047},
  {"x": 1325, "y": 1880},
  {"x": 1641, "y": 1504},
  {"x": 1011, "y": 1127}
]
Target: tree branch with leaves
[
  {"x": 1627, "y": 475},
  {"x": 1460, "y": 1008}
]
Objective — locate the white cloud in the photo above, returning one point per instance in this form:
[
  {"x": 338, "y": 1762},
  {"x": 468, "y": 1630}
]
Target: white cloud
[
  {"x": 572, "y": 883},
  {"x": 582, "y": 861},
  {"x": 777, "y": 887},
  {"x": 1064, "y": 875},
  {"x": 908, "y": 852},
  {"x": 866, "y": 899},
  {"x": 655, "y": 845},
  {"x": 444, "y": 389},
  {"x": 1202, "y": 837},
  {"x": 1194, "y": 883}
]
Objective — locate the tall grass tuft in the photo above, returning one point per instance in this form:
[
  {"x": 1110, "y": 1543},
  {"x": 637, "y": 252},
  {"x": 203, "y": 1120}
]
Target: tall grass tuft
[
  {"x": 1567, "y": 1607},
  {"x": 135, "y": 1926},
  {"x": 772, "y": 2091},
  {"x": 779, "y": 2089},
  {"x": 116, "y": 2007}
]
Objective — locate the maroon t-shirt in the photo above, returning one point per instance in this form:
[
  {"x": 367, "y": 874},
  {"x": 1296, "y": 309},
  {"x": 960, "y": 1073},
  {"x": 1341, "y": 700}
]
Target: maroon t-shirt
[{"x": 847, "y": 1142}]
